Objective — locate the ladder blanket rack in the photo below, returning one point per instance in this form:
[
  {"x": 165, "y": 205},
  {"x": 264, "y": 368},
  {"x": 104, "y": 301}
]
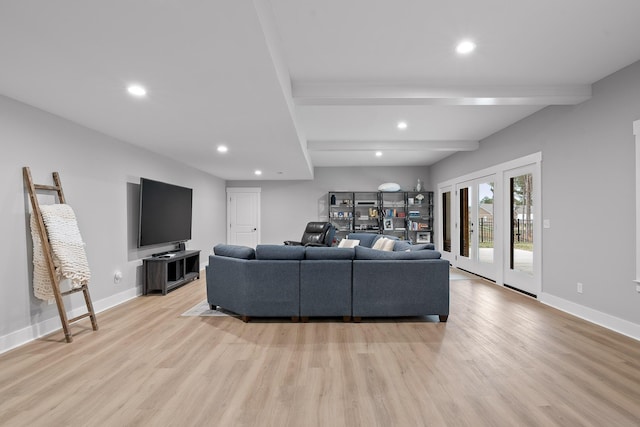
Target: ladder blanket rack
[{"x": 48, "y": 255}]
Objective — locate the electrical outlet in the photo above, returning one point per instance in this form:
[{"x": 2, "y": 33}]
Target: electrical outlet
[{"x": 579, "y": 288}]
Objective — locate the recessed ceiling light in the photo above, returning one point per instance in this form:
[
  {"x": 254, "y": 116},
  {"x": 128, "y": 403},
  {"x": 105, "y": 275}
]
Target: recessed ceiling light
[
  {"x": 378, "y": 153},
  {"x": 258, "y": 172},
  {"x": 465, "y": 47},
  {"x": 402, "y": 125},
  {"x": 137, "y": 90},
  {"x": 222, "y": 149}
]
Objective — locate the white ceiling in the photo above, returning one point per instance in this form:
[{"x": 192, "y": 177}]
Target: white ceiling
[{"x": 292, "y": 84}]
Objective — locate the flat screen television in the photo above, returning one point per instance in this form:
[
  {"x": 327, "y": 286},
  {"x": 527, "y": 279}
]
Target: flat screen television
[{"x": 165, "y": 213}]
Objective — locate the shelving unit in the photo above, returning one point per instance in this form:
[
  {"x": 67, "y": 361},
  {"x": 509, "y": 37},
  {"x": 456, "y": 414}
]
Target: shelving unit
[
  {"x": 341, "y": 212},
  {"x": 419, "y": 216},
  {"x": 394, "y": 213},
  {"x": 404, "y": 214},
  {"x": 366, "y": 212},
  {"x": 167, "y": 272}
]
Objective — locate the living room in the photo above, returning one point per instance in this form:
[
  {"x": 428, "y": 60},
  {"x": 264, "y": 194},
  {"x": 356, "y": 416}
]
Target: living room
[{"x": 588, "y": 169}]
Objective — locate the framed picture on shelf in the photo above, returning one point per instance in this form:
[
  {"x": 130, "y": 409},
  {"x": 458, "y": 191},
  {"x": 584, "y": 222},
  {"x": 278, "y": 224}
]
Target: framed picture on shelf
[
  {"x": 423, "y": 237},
  {"x": 388, "y": 224}
]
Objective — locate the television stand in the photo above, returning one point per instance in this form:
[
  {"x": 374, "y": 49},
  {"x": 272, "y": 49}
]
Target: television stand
[{"x": 165, "y": 272}]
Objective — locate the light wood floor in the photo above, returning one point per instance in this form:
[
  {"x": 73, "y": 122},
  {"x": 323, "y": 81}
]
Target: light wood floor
[{"x": 502, "y": 359}]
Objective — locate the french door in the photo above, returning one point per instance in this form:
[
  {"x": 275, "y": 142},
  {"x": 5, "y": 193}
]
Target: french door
[
  {"x": 490, "y": 223},
  {"x": 475, "y": 226},
  {"x": 522, "y": 233}
]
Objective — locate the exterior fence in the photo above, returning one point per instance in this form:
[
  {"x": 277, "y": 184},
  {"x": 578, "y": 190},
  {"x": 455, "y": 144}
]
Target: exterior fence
[
  {"x": 522, "y": 230},
  {"x": 485, "y": 231}
]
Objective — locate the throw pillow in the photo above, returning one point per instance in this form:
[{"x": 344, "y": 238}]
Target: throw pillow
[
  {"x": 348, "y": 243},
  {"x": 384, "y": 244},
  {"x": 378, "y": 244},
  {"x": 388, "y": 245}
]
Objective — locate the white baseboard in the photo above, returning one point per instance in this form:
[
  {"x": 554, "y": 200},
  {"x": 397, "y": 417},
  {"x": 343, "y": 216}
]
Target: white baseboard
[
  {"x": 37, "y": 330},
  {"x": 616, "y": 324}
]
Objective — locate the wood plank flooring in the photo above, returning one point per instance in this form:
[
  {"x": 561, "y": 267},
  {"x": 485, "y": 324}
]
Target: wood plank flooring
[{"x": 502, "y": 359}]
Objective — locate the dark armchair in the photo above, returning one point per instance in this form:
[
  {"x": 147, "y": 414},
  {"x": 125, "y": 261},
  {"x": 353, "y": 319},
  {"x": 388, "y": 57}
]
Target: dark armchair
[{"x": 315, "y": 234}]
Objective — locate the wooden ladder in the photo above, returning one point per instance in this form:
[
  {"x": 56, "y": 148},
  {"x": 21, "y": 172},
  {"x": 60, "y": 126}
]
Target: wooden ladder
[{"x": 46, "y": 249}]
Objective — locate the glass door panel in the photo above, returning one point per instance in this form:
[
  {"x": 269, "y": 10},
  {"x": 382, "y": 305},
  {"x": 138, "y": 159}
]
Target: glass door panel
[
  {"x": 465, "y": 221},
  {"x": 522, "y": 244},
  {"x": 521, "y": 258},
  {"x": 486, "y": 243},
  {"x": 475, "y": 216},
  {"x": 446, "y": 221}
]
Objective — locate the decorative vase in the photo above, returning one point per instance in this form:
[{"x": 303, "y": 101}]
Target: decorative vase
[{"x": 419, "y": 185}]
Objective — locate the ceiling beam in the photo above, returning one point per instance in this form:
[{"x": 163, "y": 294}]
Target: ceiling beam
[
  {"x": 459, "y": 145},
  {"x": 311, "y": 93}
]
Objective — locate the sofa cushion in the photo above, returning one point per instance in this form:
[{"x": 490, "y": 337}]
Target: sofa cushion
[
  {"x": 368, "y": 253},
  {"x": 280, "y": 252},
  {"x": 329, "y": 253},
  {"x": 402, "y": 245},
  {"x": 234, "y": 251},
  {"x": 406, "y": 245}
]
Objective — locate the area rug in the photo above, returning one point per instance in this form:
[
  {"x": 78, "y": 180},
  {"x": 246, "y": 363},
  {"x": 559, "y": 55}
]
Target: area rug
[{"x": 202, "y": 310}]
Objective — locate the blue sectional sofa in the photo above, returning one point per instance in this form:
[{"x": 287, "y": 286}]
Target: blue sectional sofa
[{"x": 303, "y": 282}]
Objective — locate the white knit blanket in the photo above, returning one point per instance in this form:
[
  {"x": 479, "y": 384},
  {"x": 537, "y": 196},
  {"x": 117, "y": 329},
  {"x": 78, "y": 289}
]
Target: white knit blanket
[{"x": 67, "y": 249}]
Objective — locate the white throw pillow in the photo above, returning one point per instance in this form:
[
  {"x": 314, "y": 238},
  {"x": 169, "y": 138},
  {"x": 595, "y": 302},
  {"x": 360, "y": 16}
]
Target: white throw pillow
[
  {"x": 388, "y": 245},
  {"x": 346, "y": 243},
  {"x": 379, "y": 243},
  {"x": 384, "y": 244}
]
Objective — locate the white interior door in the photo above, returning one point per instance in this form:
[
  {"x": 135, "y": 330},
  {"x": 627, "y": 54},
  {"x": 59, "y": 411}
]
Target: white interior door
[{"x": 243, "y": 216}]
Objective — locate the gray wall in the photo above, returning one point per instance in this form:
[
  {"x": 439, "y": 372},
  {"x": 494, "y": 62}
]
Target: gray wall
[
  {"x": 588, "y": 175},
  {"x": 100, "y": 177},
  {"x": 287, "y": 206}
]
